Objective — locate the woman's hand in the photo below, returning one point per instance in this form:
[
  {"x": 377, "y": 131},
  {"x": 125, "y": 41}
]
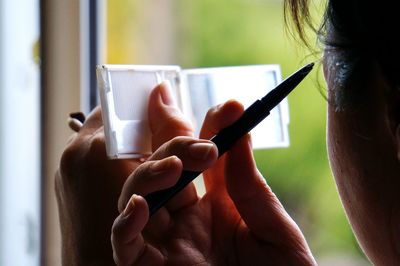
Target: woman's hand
[
  {"x": 88, "y": 184},
  {"x": 239, "y": 221}
]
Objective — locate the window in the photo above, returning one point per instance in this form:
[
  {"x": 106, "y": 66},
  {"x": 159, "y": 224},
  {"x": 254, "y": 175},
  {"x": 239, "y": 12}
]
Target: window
[{"x": 20, "y": 212}]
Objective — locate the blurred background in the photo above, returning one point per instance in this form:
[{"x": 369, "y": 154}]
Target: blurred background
[{"x": 37, "y": 96}]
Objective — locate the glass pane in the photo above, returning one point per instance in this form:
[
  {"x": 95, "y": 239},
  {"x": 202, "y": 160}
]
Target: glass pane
[{"x": 20, "y": 133}]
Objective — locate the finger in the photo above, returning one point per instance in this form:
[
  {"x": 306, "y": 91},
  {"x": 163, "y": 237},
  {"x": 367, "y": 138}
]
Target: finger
[
  {"x": 194, "y": 155},
  {"x": 149, "y": 177},
  {"x": 129, "y": 247},
  {"x": 165, "y": 119},
  {"x": 87, "y": 148},
  {"x": 267, "y": 219},
  {"x": 92, "y": 122},
  {"x": 216, "y": 119},
  {"x": 92, "y": 132},
  {"x": 220, "y": 117},
  {"x": 87, "y": 128},
  {"x": 74, "y": 124}
]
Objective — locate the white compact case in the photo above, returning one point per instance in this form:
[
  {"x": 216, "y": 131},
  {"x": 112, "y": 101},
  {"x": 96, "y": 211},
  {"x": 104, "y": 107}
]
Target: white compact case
[{"x": 125, "y": 89}]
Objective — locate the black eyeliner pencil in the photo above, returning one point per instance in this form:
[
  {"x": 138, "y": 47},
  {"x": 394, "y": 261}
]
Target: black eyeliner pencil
[{"x": 224, "y": 140}]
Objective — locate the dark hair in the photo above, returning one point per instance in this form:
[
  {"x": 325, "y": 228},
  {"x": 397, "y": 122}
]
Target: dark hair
[{"x": 362, "y": 30}]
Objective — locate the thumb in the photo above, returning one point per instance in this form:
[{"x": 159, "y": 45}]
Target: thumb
[
  {"x": 165, "y": 119},
  {"x": 127, "y": 241}
]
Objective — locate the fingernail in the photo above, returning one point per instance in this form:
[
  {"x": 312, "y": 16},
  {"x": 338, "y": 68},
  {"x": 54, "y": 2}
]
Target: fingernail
[
  {"x": 74, "y": 124},
  {"x": 161, "y": 166},
  {"x": 158, "y": 167},
  {"x": 200, "y": 150},
  {"x": 166, "y": 94},
  {"x": 129, "y": 207}
]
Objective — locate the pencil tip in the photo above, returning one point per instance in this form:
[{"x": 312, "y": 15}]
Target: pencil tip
[{"x": 307, "y": 68}]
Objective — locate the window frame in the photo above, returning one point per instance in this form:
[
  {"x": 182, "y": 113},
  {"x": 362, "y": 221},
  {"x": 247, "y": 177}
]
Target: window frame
[{"x": 68, "y": 85}]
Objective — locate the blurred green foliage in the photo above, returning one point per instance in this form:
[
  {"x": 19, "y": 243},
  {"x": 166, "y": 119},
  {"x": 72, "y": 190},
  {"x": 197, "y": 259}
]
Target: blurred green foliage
[{"x": 238, "y": 32}]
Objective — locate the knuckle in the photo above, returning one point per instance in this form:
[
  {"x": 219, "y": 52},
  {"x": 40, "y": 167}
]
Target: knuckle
[
  {"x": 80, "y": 154},
  {"x": 179, "y": 140},
  {"x": 97, "y": 144},
  {"x": 70, "y": 160},
  {"x": 177, "y": 145},
  {"x": 116, "y": 230}
]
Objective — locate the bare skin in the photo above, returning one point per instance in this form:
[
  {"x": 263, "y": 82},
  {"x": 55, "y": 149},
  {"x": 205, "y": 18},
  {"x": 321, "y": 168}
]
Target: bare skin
[{"x": 364, "y": 145}]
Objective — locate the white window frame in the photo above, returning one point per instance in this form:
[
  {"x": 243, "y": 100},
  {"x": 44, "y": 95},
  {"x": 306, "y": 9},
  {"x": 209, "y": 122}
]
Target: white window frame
[{"x": 20, "y": 212}]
